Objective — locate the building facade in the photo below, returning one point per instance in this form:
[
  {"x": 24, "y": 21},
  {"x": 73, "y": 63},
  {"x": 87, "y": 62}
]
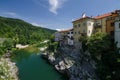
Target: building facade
[
  {"x": 65, "y": 37},
  {"x": 100, "y": 22},
  {"x": 70, "y": 37},
  {"x": 117, "y": 29},
  {"x": 105, "y": 23},
  {"x": 82, "y": 27},
  {"x": 58, "y": 36}
]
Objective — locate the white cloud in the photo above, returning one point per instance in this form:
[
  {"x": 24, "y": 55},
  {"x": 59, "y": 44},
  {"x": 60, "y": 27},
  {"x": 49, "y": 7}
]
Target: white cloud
[
  {"x": 60, "y": 29},
  {"x": 36, "y": 24},
  {"x": 10, "y": 13},
  {"x": 55, "y": 5},
  {"x": 40, "y": 3}
]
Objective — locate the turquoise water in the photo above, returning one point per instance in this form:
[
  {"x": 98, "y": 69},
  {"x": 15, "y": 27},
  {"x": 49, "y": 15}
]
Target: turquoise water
[{"x": 33, "y": 67}]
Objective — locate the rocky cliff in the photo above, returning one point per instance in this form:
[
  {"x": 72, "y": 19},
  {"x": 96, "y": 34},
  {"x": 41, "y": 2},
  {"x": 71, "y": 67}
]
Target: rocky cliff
[{"x": 76, "y": 64}]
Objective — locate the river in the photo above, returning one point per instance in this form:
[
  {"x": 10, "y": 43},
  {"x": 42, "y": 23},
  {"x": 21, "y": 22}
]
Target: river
[{"x": 34, "y": 67}]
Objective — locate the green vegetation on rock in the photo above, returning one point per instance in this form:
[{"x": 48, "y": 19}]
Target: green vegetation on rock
[{"x": 106, "y": 55}]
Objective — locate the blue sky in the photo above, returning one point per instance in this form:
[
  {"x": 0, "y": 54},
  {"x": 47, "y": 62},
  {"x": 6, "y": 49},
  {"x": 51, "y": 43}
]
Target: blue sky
[{"x": 55, "y": 14}]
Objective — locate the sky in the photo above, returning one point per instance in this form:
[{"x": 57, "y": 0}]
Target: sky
[{"x": 55, "y": 14}]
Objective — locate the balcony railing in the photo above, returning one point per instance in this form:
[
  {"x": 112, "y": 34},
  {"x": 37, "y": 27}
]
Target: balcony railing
[{"x": 97, "y": 25}]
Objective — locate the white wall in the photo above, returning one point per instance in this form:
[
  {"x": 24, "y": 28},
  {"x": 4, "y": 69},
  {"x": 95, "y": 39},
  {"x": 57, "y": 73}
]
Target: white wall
[
  {"x": 57, "y": 36},
  {"x": 117, "y": 33},
  {"x": 70, "y": 41},
  {"x": 90, "y": 28}
]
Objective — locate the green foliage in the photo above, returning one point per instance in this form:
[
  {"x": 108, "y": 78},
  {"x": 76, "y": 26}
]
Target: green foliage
[
  {"x": 98, "y": 43},
  {"x": 52, "y": 37},
  {"x": 108, "y": 66},
  {"x": 2, "y": 51},
  {"x": 83, "y": 40},
  {"x": 8, "y": 44},
  {"x": 53, "y": 46},
  {"x": 22, "y": 32}
]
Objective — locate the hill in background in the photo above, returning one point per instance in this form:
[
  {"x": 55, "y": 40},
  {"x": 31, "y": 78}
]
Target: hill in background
[{"x": 23, "y": 32}]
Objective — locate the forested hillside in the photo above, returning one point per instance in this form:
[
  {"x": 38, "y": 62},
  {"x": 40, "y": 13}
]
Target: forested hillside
[{"x": 22, "y": 32}]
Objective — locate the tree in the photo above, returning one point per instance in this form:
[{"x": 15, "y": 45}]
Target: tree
[
  {"x": 15, "y": 40},
  {"x": 108, "y": 67},
  {"x": 83, "y": 40},
  {"x": 8, "y": 44},
  {"x": 98, "y": 43}
]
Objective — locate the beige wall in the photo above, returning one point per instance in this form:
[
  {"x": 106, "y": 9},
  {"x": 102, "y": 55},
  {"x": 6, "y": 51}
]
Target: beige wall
[
  {"x": 84, "y": 28},
  {"x": 103, "y": 23}
]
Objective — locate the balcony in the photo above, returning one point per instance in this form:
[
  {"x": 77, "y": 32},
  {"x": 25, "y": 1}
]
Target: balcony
[{"x": 97, "y": 25}]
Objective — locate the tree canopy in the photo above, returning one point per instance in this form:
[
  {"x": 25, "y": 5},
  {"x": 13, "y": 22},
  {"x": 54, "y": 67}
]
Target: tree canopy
[{"x": 22, "y": 32}]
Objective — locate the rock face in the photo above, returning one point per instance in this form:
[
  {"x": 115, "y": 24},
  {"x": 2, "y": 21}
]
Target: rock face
[
  {"x": 73, "y": 62},
  {"x": 8, "y": 69}
]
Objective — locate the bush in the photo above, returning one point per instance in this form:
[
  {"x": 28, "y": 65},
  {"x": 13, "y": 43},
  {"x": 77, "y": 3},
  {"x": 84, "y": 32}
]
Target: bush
[
  {"x": 83, "y": 40},
  {"x": 53, "y": 46},
  {"x": 98, "y": 43},
  {"x": 108, "y": 67}
]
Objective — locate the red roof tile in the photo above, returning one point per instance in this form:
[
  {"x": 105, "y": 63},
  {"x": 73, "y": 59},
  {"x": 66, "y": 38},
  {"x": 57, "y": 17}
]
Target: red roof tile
[
  {"x": 83, "y": 18},
  {"x": 103, "y": 15}
]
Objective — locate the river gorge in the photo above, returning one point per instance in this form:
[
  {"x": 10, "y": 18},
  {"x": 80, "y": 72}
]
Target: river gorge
[{"x": 34, "y": 67}]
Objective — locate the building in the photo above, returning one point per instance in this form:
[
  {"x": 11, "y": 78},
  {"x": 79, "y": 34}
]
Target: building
[
  {"x": 100, "y": 22},
  {"x": 58, "y": 36},
  {"x": 70, "y": 37},
  {"x": 82, "y": 27},
  {"x": 64, "y": 37},
  {"x": 117, "y": 29},
  {"x": 105, "y": 23}
]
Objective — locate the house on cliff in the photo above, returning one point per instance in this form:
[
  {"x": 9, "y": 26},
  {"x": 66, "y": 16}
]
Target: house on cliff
[
  {"x": 82, "y": 27},
  {"x": 64, "y": 37}
]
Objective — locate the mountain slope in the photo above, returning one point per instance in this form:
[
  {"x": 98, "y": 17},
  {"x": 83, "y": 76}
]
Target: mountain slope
[{"x": 24, "y": 32}]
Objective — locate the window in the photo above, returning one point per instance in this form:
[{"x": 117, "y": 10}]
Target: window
[
  {"x": 71, "y": 32},
  {"x": 112, "y": 33},
  {"x": 75, "y": 26},
  {"x": 78, "y": 32},
  {"x": 75, "y": 32},
  {"x": 72, "y": 38},
  {"x": 112, "y": 24},
  {"x": 83, "y": 31},
  {"x": 119, "y": 25},
  {"x": 78, "y": 25},
  {"x": 89, "y": 24},
  {"x": 83, "y": 24},
  {"x": 89, "y": 31}
]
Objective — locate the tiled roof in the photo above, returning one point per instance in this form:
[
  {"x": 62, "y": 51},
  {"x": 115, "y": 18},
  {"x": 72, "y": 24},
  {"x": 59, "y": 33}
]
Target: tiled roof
[
  {"x": 98, "y": 17},
  {"x": 103, "y": 16},
  {"x": 83, "y": 18}
]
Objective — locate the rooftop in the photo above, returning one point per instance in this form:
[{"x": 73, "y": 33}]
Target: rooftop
[
  {"x": 103, "y": 15},
  {"x": 107, "y": 14},
  {"x": 97, "y": 17},
  {"x": 86, "y": 17}
]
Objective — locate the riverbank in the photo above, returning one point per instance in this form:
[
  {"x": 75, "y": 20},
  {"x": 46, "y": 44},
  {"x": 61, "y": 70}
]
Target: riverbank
[
  {"x": 73, "y": 63},
  {"x": 8, "y": 69}
]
